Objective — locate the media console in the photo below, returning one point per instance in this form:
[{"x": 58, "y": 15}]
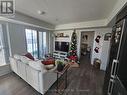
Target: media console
[{"x": 60, "y": 55}]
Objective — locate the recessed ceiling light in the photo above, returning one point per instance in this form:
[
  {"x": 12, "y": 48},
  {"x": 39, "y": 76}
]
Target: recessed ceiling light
[{"x": 41, "y": 12}]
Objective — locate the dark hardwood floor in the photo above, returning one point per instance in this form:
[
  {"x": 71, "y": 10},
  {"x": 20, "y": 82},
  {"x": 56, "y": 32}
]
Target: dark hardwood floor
[{"x": 85, "y": 80}]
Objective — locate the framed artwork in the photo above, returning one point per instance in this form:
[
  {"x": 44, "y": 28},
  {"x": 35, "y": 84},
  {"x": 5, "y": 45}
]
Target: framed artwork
[
  {"x": 61, "y": 34},
  {"x": 107, "y": 37}
]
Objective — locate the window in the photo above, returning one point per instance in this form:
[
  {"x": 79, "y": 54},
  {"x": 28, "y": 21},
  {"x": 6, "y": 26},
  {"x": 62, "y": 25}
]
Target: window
[
  {"x": 36, "y": 43},
  {"x": 42, "y": 44},
  {"x": 2, "y": 50},
  {"x": 31, "y": 40}
]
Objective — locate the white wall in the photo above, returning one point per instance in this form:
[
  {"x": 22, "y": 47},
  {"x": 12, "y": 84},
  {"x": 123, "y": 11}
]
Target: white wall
[
  {"x": 16, "y": 38},
  {"x": 104, "y": 48},
  {"x": 105, "y": 55}
]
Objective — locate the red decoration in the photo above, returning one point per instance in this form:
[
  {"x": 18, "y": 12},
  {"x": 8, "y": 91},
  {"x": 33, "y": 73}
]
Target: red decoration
[
  {"x": 48, "y": 61},
  {"x": 96, "y": 49},
  {"x": 98, "y": 39},
  {"x": 73, "y": 57},
  {"x": 29, "y": 55}
]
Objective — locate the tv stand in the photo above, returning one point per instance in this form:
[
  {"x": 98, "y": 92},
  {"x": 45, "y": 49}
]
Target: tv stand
[{"x": 60, "y": 55}]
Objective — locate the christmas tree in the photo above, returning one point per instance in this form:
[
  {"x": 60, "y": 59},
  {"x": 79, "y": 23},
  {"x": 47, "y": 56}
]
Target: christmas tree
[{"x": 72, "y": 54}]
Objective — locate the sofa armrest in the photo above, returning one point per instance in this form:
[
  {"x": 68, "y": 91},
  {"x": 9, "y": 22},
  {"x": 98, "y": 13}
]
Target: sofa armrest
[
  {"x": 47, "y": 79},
  {"x": 13, "y": 64},
  {"x": 37, "y": 66}
]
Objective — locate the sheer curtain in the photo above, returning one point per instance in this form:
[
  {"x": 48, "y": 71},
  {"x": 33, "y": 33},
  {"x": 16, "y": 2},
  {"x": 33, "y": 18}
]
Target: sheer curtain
[
  {"x": 31, "y": 40},
  {"x": 43, "y": 49},
  {"x": 2, "y": 48},
  {"x": 37, "y": 43}
]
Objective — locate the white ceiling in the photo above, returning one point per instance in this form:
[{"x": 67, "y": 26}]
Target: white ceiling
[{"x": 66, "y": 11}]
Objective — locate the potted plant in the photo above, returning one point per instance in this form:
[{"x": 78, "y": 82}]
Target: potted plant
[{"x": 60, "y": 66}]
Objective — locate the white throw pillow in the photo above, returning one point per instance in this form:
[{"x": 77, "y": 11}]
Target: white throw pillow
[
  {"x": 24, "y": 59},
  {"x": 16, "y": 56}
]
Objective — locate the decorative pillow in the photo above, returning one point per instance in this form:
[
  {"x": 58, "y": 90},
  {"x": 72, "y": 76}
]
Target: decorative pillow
[
  {"x": 12, "y": 60},
  {"x": 24, "y": 59},
  {"x": 48, "y": 62},
  {"x": 16, "y": 56},
  {"x": 28, "y": 55}
]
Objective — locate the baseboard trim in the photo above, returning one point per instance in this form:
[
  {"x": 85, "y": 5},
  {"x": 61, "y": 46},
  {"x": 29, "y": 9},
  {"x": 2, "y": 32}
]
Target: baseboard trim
[{"x": 5, "y": 69}]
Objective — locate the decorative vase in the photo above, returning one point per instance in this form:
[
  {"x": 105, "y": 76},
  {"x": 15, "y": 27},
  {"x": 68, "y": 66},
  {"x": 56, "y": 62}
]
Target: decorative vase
[{"x": 60, "y": 67}]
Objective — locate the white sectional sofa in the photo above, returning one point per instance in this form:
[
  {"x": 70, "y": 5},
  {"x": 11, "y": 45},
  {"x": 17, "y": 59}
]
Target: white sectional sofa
[{"x": 33, "y": 72}]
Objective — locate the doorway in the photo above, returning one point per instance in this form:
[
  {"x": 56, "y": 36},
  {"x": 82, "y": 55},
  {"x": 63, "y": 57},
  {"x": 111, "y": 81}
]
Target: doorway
[{"x": 86, "y": 45}]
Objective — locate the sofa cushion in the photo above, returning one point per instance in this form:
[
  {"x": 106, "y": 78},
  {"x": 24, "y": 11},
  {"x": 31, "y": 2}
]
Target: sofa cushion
[
  {"x": 22, "y": 58},
  {"x": 29, "y": 55},
  {"x": 37, "y": 65}
]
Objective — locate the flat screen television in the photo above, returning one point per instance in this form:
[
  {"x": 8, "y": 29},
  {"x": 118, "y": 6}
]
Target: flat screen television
[{"x": 62, "y": 46}]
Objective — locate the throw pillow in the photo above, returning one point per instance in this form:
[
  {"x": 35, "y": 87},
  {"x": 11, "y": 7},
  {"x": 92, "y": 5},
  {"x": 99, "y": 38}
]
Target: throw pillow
[
  {"x": 28, "y": 55},
  {"x": 48, "y": 62},
  {"x": 16, "y": 56}
]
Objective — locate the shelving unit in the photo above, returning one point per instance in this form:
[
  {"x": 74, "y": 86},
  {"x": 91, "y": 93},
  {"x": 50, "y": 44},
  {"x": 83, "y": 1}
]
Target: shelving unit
[{"x": 62, "y": 37}]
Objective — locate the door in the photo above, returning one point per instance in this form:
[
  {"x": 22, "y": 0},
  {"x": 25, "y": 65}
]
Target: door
[
  {"x": 118, "y": 88},
  {"x": 122, "y": 69},
  {"x": 113, "y": 60}
]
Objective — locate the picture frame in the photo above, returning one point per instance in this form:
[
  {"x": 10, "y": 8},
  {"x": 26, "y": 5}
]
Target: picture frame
[
  {"x": 107, "y": 36},
  {"x": 61, "y": 34}
]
